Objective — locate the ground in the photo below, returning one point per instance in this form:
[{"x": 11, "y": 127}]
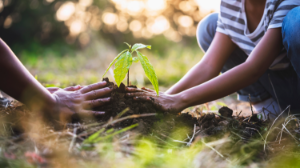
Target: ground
[{"x": 141, "y": 136}]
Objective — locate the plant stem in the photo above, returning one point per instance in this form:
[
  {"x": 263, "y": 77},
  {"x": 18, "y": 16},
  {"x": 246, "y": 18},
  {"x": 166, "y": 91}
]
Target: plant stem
[{"x": 128, "y": 78}]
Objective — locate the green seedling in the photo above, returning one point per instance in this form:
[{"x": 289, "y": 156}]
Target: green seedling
[{"x": 124, "y": 60}]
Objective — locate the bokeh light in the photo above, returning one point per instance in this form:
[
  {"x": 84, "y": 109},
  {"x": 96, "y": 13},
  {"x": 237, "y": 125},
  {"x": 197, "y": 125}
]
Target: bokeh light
[
  {"x": 185, "y": 21},
  {"x": 65, "y": 11},
  {"x": 110, "y": 18},
  {"x": 144, "y": 18}
]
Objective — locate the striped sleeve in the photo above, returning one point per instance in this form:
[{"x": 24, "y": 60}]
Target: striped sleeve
[
  {"x": 281, "y": 12},
  {"x": 221, "y": 26}
]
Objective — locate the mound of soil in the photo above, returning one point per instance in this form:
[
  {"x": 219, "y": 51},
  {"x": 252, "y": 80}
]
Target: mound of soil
[{"x": 119, "y": 102}]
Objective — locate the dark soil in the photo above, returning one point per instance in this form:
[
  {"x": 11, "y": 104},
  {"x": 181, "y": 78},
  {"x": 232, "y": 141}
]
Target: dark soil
[{"x": 246, "y": 127}]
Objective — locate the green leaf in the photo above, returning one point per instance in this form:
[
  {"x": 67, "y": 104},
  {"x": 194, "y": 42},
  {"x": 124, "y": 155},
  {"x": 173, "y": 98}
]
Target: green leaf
[
  {"x": 128, "y": 44},
  {"x": 149, "y": 71},
  {"x": 114, "y": 62},
  {"x": 122, "y": 66},
  {"x": 138, "y": 46},
  {"x": 135, "y": 59}
]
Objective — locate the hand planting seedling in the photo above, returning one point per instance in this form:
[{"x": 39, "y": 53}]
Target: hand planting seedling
[{"x": 124, "y": 60}]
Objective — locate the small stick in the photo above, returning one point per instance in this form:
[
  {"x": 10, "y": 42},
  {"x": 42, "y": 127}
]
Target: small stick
[
  {"x": 240, "y": 113},
  {"x": 251, "y": 108},
  {"x": 128, "y": 78},
  {"x": 73, "y": 139},
  {"x": 222, "y": 156}
]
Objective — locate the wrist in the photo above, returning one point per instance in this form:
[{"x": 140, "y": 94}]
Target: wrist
[
  {"x": 182, "y": 101},
  {"x": 50, "y": 104}
]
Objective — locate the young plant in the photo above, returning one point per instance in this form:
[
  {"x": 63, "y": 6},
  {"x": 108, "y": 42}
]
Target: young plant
[{"x": 124, "y": 60}]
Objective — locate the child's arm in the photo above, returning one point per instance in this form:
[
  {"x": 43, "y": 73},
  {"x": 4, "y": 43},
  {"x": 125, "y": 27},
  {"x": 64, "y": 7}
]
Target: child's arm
[
  {"x": 16, "y": 81},
  {"x": 237, "y": 78},
  {"x": 210, "y": 65}
]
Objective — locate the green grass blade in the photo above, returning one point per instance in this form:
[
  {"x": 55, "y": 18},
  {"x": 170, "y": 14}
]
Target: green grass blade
[
  {"x": 122, "y": 66},
  {"x": 115, "y": 133},
  {"x": 138, "y": 46},
  {"x": 114, "y": 62},
  {"x": 94, "y": 136},
  {"x": 149, "y": 71}
]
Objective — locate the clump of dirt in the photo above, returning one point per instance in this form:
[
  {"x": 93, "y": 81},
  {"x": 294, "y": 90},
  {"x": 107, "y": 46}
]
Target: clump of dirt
[
  {"x": 239, "y": 126},
  {"x": 164, "y": 122}
]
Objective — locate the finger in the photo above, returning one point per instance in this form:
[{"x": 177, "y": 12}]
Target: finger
[
  {"x": 149, "y": 90},
  {"x": 94, "y": 94},
  {"x": 72, "y": 88},
  {"x": 149, "y": 99},
  {"x": 95, "y": 103},
  {"x": 94, "y": 86},
  {"x": 129, "y": 89},
  {"x": 142, "y": 98},
  {"x": 91, "y": 113}
]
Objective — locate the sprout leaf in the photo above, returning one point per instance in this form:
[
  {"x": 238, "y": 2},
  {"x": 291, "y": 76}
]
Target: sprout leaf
[
  {"x": 113, "y": 62},
  {"x": 122, "y": 66},
  {"x": 149, "y": 71},
  {"x": 138, "y": 46}
]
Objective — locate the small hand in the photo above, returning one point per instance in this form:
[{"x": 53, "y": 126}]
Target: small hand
[
  {"x": 164, "y": 102},
  {"x": 81, "y": 100}
]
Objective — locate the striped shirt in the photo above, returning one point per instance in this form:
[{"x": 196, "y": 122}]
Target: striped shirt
[{"x": 233, "y": 22}]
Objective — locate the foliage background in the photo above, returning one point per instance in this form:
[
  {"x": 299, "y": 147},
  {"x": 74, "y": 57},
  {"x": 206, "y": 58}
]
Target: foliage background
[{"x": 65, "y": 42}]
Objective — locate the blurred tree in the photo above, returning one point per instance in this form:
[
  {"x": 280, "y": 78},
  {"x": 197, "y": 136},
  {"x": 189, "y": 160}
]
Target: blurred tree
[
  {"x": 116, "y": 21},
  {"x": 30, "y": 20}
]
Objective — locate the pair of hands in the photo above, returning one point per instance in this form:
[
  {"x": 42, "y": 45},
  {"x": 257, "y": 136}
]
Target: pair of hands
[{"x": 80, "y": 100}]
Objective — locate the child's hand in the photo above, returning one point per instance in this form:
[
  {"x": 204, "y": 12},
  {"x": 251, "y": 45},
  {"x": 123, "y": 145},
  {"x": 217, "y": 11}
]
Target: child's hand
[
  {"x": 77, "y": 100},
  {"x": 164, "y": 102}
]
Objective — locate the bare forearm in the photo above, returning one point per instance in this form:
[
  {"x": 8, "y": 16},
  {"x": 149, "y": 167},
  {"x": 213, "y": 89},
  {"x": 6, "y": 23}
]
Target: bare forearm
[
  {"x": 200, "y": 73},
  {"x": 239, "y": 77},
  {"x": 210, "y": 65},
  {"x": 18, "y": 82},
  {"x": 223, "y": 85}
]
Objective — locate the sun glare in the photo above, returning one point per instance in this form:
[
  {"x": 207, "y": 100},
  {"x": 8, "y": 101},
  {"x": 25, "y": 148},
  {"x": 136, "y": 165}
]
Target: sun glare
[
  {"x": 110, "y": 18},
  {"x": 85, "y": 2},
  {"x": 160, "y": 25},
  {"x": 185, "y": 21},
  {"x": 209, "y": 5},
  {"x": 76, "y": 27},
  {"x": 135, "y": 6},
  {"x": 155, "y": 5},
  {"x": 65, "y": 11}
]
